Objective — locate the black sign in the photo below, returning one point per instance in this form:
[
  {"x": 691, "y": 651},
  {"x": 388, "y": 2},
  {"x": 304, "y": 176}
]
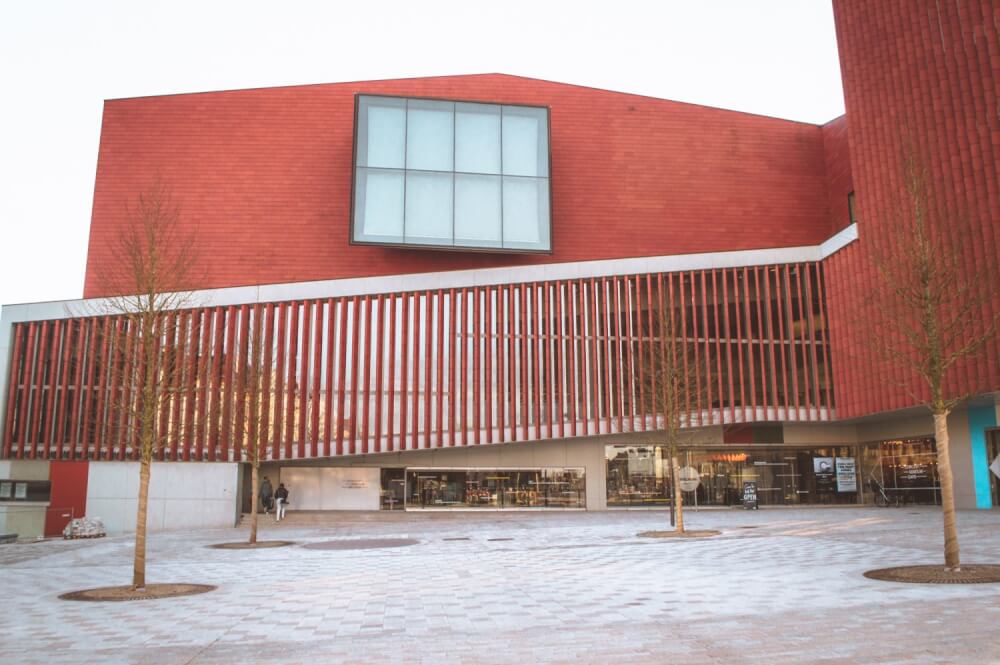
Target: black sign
[{"x": 750, "y": 495}]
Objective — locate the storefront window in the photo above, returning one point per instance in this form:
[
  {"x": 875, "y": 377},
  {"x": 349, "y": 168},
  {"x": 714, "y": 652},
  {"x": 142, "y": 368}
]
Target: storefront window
[
  {"x": 495, "y": 489},
  {"x": 905, "y": 471},
  {"x": 640, "y": 475}
]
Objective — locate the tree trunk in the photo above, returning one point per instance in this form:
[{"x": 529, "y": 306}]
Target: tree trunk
[
  {"x": 139, "y": 567},
  {"x": 253, "y": 503},
  {"x": 678, "y": 495},
  {"x": 951, "y": 558}
]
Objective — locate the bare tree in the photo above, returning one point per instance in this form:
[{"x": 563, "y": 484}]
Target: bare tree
[
  {"x": 252, "y": 383},
  {"x": 148, "y": 276},
  {"x": 677, "y": 378},
  {"x": 931, "y": 314}
]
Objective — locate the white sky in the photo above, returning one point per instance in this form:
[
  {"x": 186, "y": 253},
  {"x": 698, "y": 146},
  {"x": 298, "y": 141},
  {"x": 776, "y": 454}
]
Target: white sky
[{"x": 60, "y": 60}]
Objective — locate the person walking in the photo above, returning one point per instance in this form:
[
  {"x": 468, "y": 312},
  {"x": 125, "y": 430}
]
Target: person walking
[
  {"x": 281, "y": 501},
  {"x": 266, "y": 494}
]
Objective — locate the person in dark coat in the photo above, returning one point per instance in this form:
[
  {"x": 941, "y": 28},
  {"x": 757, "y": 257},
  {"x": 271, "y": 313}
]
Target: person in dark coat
[{"x": 266, "y": 494}]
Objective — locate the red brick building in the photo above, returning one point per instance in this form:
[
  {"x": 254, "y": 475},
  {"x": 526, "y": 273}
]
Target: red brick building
[{"x": 460, "y": 284}]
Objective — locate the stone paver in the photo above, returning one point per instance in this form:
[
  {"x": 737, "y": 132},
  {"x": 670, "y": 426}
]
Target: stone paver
[{"x": 565, "y": 588}]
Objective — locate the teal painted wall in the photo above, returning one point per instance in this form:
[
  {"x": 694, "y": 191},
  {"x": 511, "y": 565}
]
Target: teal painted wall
[{"x": 981, "y": 418}]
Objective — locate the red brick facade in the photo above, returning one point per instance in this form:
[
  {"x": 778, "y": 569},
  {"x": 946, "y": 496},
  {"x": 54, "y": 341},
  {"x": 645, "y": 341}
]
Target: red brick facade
[
  {"x": 265, "y": 176},
  {"x": 920, "y": 77}
]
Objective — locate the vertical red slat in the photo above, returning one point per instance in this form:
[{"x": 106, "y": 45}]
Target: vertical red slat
[
  {"x": 664, "y": 309},
  {"x": 172, "y": 431},
  {"x": 391, "y": 376},
  {"x": 316, "y": 374},
  {"x": 488, "y": 371},
  {"x": 768, "y": 330},
  {"x": 812, "y": 335},
  {"x": 463, "y": 379},
  {"x": 534, "y": 321},
  {"x": 761, "y": 333},
  {"x": 227, "y": 384},
  {"x": 213, "y": 386},
  {"x": 164, "y": 354},
  {"x": 24, "y": 416},
  {"x": 439, "y": 367},
  {"x": 355, "y": 374},
  {"x": 804, "y": 327},
  {"x": 650, "y": 353},
  {"x": 404, "y": 366},
  {"x": 379, "y": 376},
  {"x": 108, "y": 368},
  {"x": 750, "y": 346},
  {"x": 550, "y": 384},
  {"x": 201, "y": 408},
  {"x": 595, "y": 369},
  {"x": 88, "y": 380},
  {"x": 75, "y": 436},
  {"x": 727, "y": 329},
  {"x": 428, "y": 355},
  {"x": 267, "y": 361},
  {"x": 821, "y": 277},
  {"x": 191, "y": 387},
  {"x": 330, "y": 353},
  {"x": 792, "y": 348},
  {"x": 523, "y": 312},
  {"x": 341, "y": 373},
  {"x": 512, "y": 397},
  {"x": 13, "y": 390},
  {"x": 127, "y": 357},
  {"x": 501, "y": 371},
  {"x": 684, "y": 299},
  {"x": 720, "y": 388},
  {"x": 574, "y": 333},
  {"x": 559, "y": 336},
  {"x": 367, "y": 380},
  {"x": 61, "y": 437},
  {"x": 474, "y": 294},
  {"x": 452, "y": 369},
  {"x": 680, "y": 299},
  {"x": 52, "y": 381},
  {"x": 620, "y": 384},
  {"x": 36, "y": 413},
  {"x": 782, "y": 340},
  {"x": 737, "y": 312},
  {"x": 633, "y": 349},
  {"x": 303, "y": 384},
  {"x": 48, "y": 381},
  {"x": 704, "y": 410},
  {"x": 282, "y": 316},
  {"x": 292, "y": 385},
  {"x": 415, "y": 407}
]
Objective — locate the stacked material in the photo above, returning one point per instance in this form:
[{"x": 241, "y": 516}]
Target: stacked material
[{"x": 85, "y": 527}]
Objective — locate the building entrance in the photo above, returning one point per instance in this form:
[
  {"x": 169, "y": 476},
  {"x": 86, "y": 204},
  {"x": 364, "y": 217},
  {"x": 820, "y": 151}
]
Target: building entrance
[{"x": 993, "y": 455}]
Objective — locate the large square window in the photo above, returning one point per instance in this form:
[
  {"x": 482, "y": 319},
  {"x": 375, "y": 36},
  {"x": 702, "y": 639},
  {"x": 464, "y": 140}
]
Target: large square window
[{"x": 435, "y": 173}]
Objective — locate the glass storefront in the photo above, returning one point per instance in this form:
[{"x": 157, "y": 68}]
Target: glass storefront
[
  {"x": 899, "y": 471},
  {"x": 904, "y": 471},
  {"x": 640, "y": 475},
  {"x": 496, "y": 489}
]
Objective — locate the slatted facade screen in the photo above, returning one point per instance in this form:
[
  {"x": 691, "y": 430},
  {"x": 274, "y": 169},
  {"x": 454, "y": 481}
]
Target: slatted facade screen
[{"x": 432, "y": 369}]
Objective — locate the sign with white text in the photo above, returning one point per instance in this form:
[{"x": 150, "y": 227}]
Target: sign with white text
[{"x": 847, "y": 477}]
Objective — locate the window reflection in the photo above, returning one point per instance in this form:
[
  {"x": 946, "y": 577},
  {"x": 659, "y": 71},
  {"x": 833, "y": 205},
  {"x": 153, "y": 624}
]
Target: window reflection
[{"x": 496, "y": 489}]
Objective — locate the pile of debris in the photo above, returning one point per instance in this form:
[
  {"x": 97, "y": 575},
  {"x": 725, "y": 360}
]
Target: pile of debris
[{"x": 85, "y": 527}]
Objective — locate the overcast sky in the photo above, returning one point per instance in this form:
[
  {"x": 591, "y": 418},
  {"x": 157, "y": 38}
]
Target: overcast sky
[{"x": 60, "y": 60}]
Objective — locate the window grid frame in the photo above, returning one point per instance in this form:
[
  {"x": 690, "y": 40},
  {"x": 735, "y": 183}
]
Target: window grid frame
[{"x": 355, "y": 167}]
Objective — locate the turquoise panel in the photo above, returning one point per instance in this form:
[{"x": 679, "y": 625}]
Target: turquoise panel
[{"x": 981, "y": 418}]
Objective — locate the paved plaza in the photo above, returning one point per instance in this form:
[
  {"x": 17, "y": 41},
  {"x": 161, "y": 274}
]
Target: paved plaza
[{"x": 778, "y": 586}]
